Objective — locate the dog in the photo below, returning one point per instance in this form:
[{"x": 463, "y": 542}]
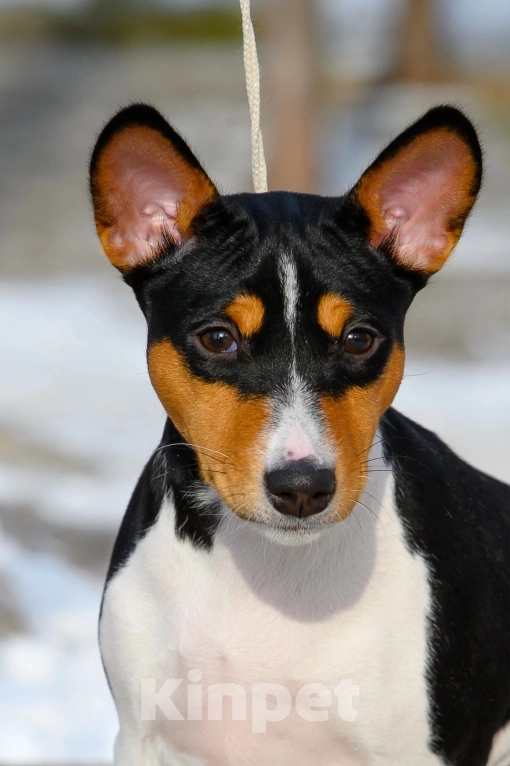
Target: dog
[{"x": 303, "y": 575}]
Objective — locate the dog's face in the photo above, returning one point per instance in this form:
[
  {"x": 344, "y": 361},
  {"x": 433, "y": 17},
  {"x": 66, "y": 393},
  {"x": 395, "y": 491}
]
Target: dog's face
[{"x": 275, "y": 321}]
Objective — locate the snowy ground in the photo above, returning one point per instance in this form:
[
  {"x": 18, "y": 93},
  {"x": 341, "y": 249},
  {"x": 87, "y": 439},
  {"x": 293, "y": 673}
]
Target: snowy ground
[{"x": 78, "y": 417}]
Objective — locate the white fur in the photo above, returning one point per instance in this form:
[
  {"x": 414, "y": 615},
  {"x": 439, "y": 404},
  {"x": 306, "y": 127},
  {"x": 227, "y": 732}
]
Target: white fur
[
  {"x": 500, "y": 753},
  {"x": 297, "y": 430},
  {"x": 350, "y": 605},
  {"x": 290, "y": 288},
  {"x": 297, "y": 427}
]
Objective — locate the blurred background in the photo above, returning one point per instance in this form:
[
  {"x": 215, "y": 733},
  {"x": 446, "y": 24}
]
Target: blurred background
[{"x": 78, "y": 417}]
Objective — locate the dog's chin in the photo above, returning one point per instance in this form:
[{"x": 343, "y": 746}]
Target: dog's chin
[
  {"x": 291, "y": 531},
  {"x": 291, "y": 536},
  {"x": 285, "y": 530}
]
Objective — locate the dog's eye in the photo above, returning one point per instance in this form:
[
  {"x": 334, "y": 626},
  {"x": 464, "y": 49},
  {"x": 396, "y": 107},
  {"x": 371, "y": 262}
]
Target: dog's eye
[
  {"x": 359, "y": 341},
  {"x": 218, "y": 341}
]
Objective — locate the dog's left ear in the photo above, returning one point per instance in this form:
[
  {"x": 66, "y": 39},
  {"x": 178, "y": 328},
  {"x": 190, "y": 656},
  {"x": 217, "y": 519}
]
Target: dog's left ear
[
  {"x": 419, "y": 191},
  {"x": 147, "y": 187}
]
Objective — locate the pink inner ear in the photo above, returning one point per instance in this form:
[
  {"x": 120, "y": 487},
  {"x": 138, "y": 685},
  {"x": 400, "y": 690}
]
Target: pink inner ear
[
  {"x": 419, "y": 195},
  {"x": 414, "y": 207},
  {"x": 144, "y": 191},
  {"x": 149, "y": 199}
]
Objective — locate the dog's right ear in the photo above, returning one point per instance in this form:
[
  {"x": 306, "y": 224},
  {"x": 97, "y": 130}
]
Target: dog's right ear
[{"x": 147, "y": 187}]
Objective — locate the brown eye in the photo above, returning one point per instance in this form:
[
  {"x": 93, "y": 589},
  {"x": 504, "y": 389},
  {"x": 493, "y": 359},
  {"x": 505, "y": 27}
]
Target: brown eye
[
  {"x": 218, "y": 341},
  {"x": 359, "y": 341}
]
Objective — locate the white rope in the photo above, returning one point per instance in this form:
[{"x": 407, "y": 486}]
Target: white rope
[{"x": 252, "y": 72}]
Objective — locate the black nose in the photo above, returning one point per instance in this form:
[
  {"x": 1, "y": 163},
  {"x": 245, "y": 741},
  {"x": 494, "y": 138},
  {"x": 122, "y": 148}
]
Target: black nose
[{"x": 300, "y": 489}]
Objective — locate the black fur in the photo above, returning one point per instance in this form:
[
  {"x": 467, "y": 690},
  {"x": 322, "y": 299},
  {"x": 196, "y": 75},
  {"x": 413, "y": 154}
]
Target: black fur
[{"x": 458, "y": 519}]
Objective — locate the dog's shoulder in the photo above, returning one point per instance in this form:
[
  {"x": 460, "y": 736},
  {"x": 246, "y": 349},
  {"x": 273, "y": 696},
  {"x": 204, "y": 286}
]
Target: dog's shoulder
[
  {"x": 437, "y": 490},
  {"x": 458, "y": 519},
  {"x": 455, "y": 515}
]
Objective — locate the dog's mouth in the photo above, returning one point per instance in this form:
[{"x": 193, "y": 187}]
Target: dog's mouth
[
  {"x": 286, "y": 527},
  {"x": 295, "y": 531},
  {"x": 303, "y": 526}
]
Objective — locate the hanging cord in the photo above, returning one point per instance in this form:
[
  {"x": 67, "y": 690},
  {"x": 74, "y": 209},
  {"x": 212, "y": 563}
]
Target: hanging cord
[{"x": 252, "y": 72}]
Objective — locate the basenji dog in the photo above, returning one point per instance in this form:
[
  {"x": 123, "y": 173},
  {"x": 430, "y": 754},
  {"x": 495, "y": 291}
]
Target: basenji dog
[{"x": 304, "y": 576}]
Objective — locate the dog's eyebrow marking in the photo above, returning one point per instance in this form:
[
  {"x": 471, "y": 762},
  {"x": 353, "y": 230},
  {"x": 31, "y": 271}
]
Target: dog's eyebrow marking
[
  {"x": 332, "y": 313},
  {"x": 247, "y": 311},
  {"x": 289, "y": 281}
]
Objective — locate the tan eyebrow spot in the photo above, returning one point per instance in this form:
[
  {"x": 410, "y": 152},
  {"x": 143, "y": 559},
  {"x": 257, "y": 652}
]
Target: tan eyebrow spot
[
  {"x": 332, "y": 313},
  {"x": 247, "y": 311}
]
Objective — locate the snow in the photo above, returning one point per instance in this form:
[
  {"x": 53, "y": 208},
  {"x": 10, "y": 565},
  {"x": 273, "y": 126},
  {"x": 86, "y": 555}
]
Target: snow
[{"x": 54, "y": 701}]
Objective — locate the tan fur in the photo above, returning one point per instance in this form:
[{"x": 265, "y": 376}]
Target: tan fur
[
  {"x": 228, "y": 428},
  {"x": 352, "y": 422},
  {"x": 247, "y": 311},
  {"x": 332, "y": 314}
]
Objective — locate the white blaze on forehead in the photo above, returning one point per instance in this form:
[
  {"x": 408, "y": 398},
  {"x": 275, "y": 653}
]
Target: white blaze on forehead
[
  {"x": 289, "y": 281},
  {"x": 298, "y": 431}
]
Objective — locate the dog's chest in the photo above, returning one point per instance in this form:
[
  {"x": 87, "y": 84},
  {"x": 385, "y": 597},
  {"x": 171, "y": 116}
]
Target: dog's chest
[{"x": 346, "y": 613}]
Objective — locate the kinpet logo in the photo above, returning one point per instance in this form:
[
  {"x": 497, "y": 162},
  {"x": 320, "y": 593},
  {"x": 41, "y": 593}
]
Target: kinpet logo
[{"x": 262, "y": 702}]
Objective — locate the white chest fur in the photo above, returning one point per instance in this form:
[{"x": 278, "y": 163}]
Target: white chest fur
[{"x": 345, "y": 611}]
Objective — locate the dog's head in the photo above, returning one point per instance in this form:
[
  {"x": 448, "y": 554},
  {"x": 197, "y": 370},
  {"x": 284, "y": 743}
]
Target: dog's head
[{"x": 275, "y": 321}]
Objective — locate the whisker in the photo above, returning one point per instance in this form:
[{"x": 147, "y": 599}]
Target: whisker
[
  {"x": 374, "y": 514},
  {"x": 356, "y": 517},
  {"x": 197, "y": 447},
  {"x": 316, "y": 555},
  {"x": 374, "y": 444},
  {"x": 371, "y": 460}
]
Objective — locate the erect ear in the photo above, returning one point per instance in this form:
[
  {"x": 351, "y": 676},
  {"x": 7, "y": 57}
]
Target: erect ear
[
  {"x": 419, "y": 191},
  {"x": 147, "y": 187}
]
